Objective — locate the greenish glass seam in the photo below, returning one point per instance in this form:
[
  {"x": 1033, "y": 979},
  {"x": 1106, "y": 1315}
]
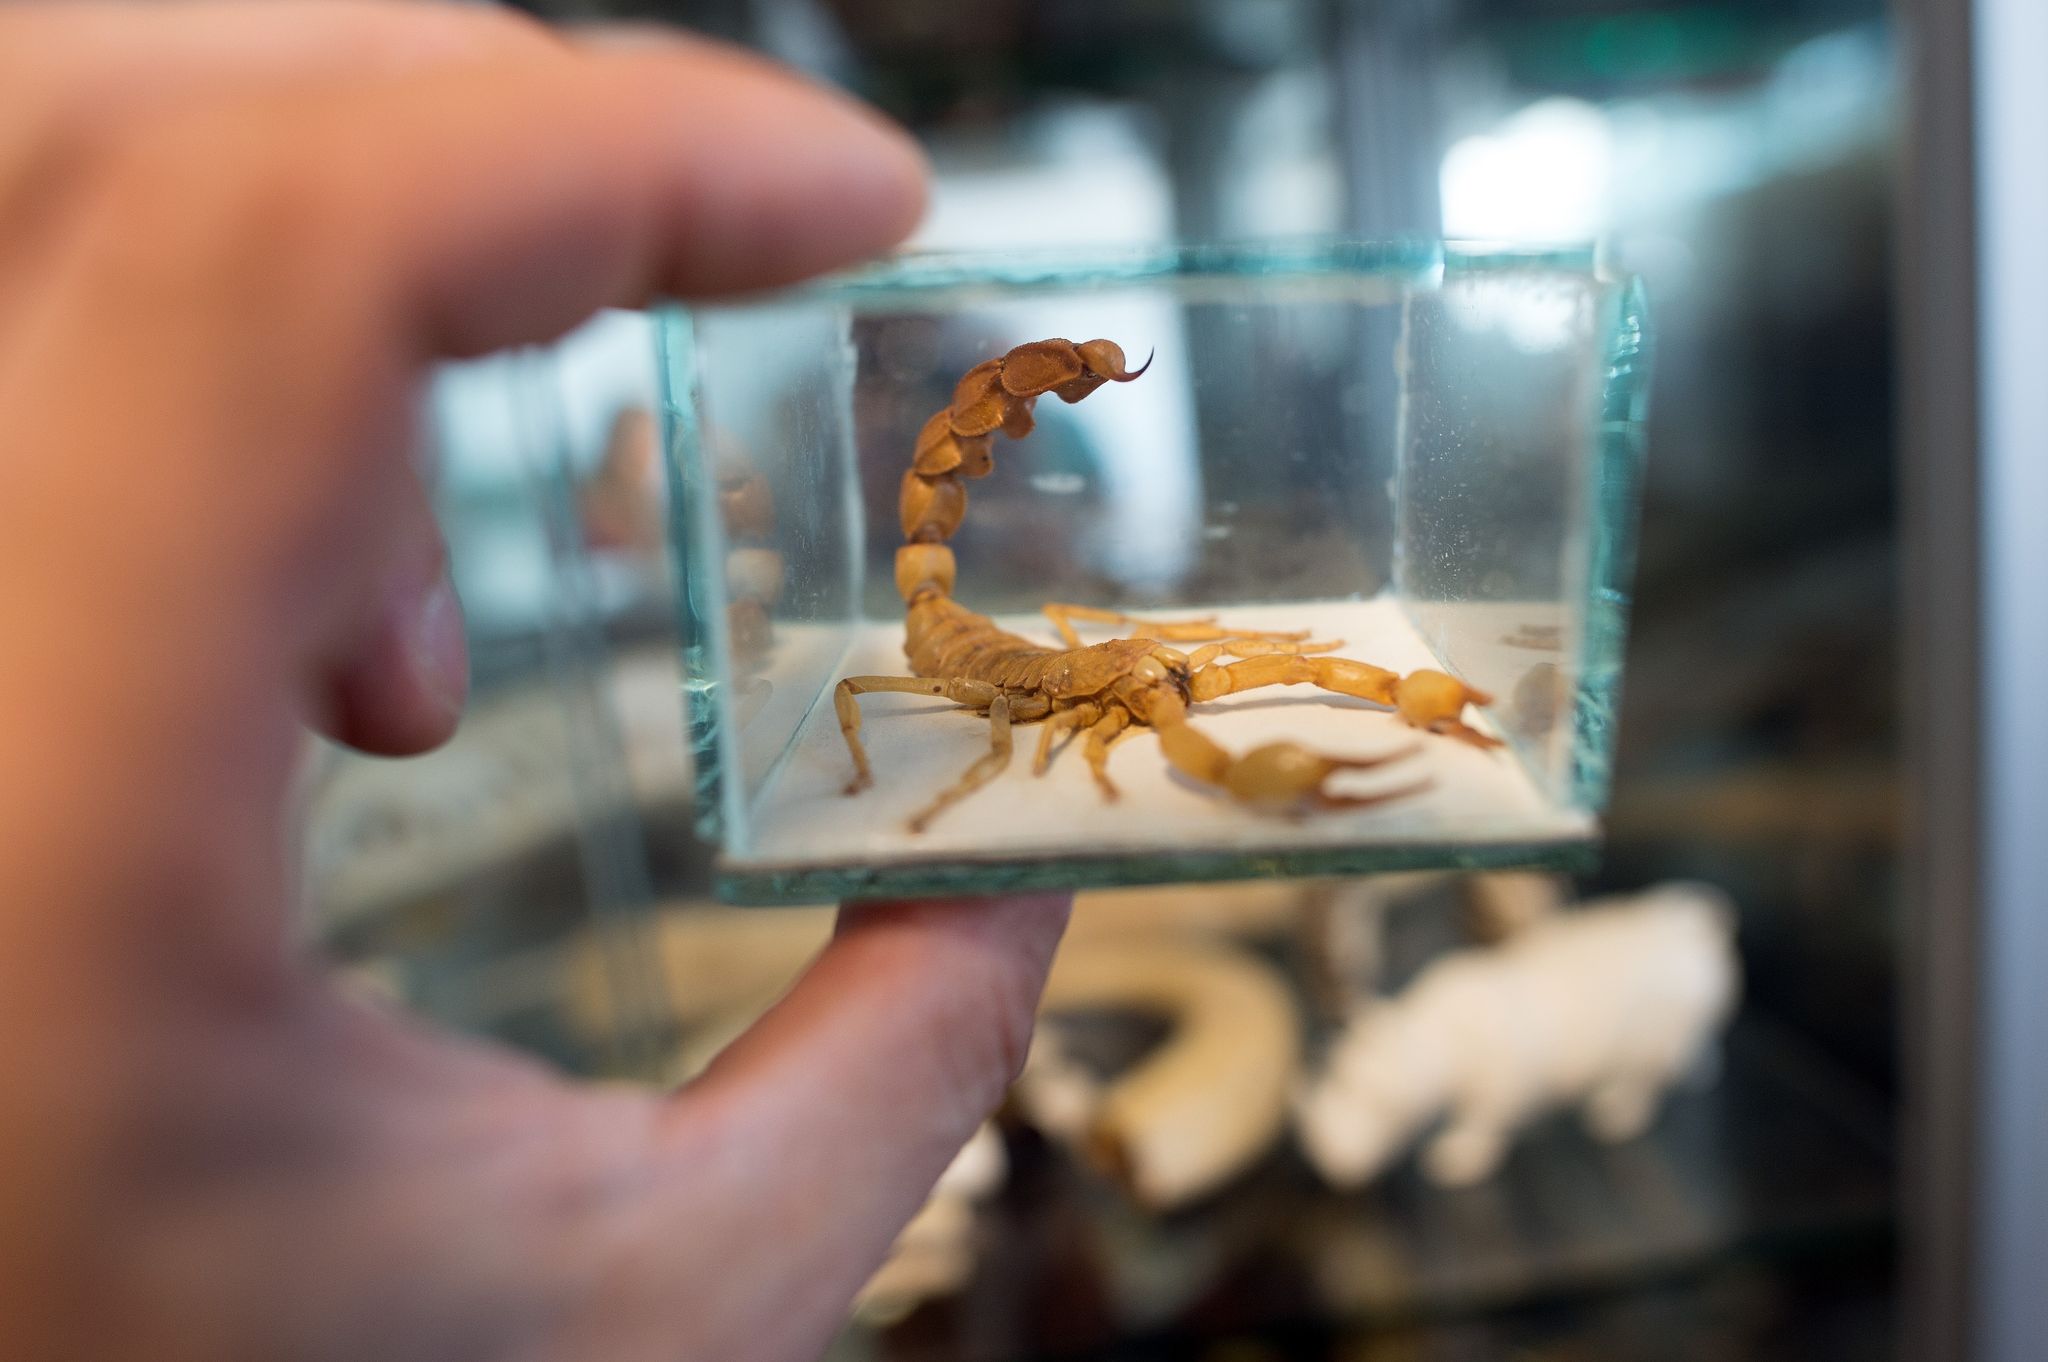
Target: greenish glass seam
[
  {"x": 1400, "y": 566},
  {"x": 1499, "y": 257},
  {"x": 696, "y": 546},
  {"x": 1615, "y": 492},
  {"x": 1417, "y": 261},
  {"x": 939, "y": 879},
  {"x": 914, "y": 273}
]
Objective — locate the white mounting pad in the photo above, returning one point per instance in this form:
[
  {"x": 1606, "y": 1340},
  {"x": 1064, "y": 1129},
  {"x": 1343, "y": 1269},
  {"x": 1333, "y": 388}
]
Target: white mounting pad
[{"x": 918, "y": 746}]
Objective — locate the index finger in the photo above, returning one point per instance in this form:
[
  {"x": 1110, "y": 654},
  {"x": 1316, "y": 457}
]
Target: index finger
[
  {"x": 500, "y": 200},
  {"x": 501, "y": 203},
  {"x": 268, "y": 272}
]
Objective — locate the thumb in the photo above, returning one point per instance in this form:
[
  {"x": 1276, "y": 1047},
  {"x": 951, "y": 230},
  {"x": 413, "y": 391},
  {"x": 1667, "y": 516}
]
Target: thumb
[
  {"x": 856, "y": 1090},
  {"x": 931, "y": 1001}
]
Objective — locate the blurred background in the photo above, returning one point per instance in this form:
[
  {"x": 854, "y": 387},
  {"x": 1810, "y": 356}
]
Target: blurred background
[{"x": 1740, "y": 155}]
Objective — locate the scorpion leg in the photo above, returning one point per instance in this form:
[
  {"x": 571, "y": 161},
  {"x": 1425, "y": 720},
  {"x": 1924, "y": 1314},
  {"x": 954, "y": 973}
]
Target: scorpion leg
[
  {"x": 977, "y": 694},
  {"x": 1080, "y": 716},
  {"x": 1101, "y": 737},
  {"x": 1252, "y": 647},
  {"x": 1204, "y": 630},
  {"x": 985, "y": 769}
]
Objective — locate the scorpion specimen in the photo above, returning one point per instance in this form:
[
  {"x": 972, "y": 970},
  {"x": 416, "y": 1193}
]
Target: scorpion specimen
[{"x": 1104, "y": 691}]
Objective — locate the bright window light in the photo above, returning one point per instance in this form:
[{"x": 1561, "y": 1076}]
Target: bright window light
[{"x": 1546, "y": 174}]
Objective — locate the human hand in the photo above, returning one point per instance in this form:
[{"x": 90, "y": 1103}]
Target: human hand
[{"x": 232, "y": 239}]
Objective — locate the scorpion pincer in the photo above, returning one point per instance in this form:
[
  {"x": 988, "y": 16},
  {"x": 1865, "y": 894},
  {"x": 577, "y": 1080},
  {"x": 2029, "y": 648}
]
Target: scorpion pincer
[{"x": 1103, "y": 692}]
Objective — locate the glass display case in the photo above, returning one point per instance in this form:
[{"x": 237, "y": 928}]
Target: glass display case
[{"x": 1420, "y": 457}]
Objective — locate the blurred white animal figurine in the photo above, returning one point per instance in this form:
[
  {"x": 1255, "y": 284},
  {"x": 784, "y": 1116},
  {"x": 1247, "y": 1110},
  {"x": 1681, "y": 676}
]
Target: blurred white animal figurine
[{"x": 1604, "y": 1008}]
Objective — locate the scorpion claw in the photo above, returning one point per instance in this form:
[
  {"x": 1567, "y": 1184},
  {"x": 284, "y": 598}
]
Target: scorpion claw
[
  {"x": 1465, "y": 733},
  {"x": 1435, "y": 702},
  {"x": 1283, "y": 776},
  {"x": 1323, "y": 800}
]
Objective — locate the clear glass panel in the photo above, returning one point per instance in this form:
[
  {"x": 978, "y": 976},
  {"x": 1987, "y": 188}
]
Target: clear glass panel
[
  {"x": 1521, "y": 436},
  {"x": 1385, "y": 445},
  {"x": 767, "y": 514}
]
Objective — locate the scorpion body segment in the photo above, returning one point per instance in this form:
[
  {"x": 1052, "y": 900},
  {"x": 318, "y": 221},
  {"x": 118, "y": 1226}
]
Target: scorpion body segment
[{"x": 1103, "y": 691}]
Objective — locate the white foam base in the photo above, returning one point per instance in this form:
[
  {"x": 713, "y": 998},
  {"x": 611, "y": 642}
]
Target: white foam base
[{"x": 803, "y": 821}]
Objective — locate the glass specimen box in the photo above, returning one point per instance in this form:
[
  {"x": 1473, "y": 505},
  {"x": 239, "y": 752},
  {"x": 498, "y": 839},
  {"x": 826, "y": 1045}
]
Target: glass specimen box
[{"x": 1426, "y": 453}]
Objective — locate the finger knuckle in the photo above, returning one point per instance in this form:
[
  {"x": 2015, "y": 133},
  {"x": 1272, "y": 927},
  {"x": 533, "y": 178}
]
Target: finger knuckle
[{"x": 986, "y": 1031}]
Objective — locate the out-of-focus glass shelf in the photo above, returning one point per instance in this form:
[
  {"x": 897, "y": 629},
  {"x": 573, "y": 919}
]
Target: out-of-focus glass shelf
[
  {"x": 1429, "y": 451},
  {"x": 1784, "y": 1156}
]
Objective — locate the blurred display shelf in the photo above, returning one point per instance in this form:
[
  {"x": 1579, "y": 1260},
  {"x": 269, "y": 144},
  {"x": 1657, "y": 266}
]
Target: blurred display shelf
[
  {"x": 1784, "y": 1159},
  {"x": 493, "y": 818},
  {"x": 1784, "y": 1163}
]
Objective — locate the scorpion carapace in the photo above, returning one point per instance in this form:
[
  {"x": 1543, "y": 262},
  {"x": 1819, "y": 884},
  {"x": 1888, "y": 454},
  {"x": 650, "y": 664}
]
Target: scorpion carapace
[{"x": 1104, "y": 691}]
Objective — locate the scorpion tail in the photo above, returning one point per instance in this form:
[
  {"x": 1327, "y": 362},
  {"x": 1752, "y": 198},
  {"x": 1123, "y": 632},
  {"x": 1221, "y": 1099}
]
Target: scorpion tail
[
  {"x": 924, "y": 570},
  {"x": 995, "y": 395}
]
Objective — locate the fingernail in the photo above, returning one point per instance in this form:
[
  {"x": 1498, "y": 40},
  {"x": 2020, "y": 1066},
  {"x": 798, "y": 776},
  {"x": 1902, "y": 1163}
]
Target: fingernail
[{"x": 440, "y": 649}]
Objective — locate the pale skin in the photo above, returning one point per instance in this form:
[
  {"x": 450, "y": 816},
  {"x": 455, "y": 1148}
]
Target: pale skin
[{"x": 232, "y": 239}]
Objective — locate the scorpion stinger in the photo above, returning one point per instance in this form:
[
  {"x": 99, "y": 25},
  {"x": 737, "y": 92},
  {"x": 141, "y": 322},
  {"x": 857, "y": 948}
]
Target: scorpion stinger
[{"x": 1104, "y": 691}]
